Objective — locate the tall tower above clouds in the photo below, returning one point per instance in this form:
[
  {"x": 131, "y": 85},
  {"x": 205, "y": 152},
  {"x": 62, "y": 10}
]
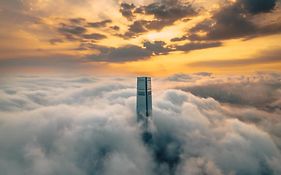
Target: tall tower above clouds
[{"x": 144, "y": 99}]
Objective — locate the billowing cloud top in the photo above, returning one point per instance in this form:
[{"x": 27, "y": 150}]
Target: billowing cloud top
[
  {"x": 84, "y": 125},
  {"x": 105, "y": 36}
]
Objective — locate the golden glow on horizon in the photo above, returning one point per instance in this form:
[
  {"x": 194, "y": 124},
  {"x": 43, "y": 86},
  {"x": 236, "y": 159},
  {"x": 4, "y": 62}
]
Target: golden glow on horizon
[{"x": 178, "y": 62}]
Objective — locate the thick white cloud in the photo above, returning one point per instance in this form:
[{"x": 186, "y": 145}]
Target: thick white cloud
[
  {"x": 63, "y": 125},
  {"x": 261, "y": 90}
]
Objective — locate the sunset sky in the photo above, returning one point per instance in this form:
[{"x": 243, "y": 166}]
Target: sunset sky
[
  {"x": 140, "y": 37},
  {"x": 70, "y": 102}
]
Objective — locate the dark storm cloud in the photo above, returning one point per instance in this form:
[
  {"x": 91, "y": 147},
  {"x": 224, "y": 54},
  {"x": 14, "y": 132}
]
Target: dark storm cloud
[
  {"x": 77, "y": 21},
  {"x": 190, "y": 135},
  {"x": 126, "y": 53},
  {"x": 265, "y": 57},
  {"x": 133, "y": 53},
  {"x": 160, "y": 47},
  {"x": 135, "y": 29},
  {"x": 72, "y": 33},
  {"x": 138, "y": 27},
  {"x": 54, "y": 41},
  {"x": 258, "y": 6},
  {"x": 176, "y": 39},
  {"x": 115, "y": 28},
  {"x": 158, "y": 24},
  {"x": 94, "y": 36},
  {"x": 78, "y": 32},
  {"x": 165, "y": 13},
  {"x": 228, "y": 25},
  {"x": 142, "y": 26},
  {"x": 91, "y": 46},
  {"x": 127, "y": 10},
  {"x": 99, "y": 24},
  {"x": 71, "y": 29},
  {"x": 157, "y": 47},
  {"x": 170, "y": 10},
  {"x": 197, "y": 46},
  {"x": 120, "y": 54},
  {"x": 235, "y": 21}
]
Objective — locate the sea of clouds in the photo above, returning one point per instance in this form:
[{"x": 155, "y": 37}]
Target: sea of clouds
[{"x": 202, "y": 124}]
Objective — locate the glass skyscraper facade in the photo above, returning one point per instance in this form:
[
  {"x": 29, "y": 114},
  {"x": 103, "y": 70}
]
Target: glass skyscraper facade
[{"x": 144, "y": 98}]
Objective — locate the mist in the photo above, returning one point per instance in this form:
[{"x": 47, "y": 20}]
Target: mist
[{"x": 87, "y": 126}]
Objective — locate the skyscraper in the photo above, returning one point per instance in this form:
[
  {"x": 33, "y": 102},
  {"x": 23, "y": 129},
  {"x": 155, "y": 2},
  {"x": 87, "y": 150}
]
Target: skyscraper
[{"x": 144, "y": 99}]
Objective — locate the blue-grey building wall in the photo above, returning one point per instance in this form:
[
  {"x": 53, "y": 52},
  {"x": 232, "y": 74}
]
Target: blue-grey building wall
[{"x": 144, "y": 98}]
